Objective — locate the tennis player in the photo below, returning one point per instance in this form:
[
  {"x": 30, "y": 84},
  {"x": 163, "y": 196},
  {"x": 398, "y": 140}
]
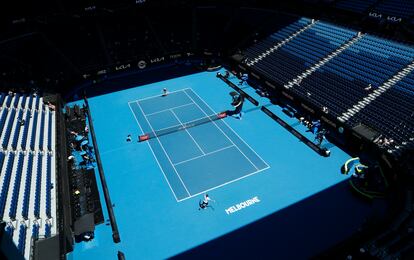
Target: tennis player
[
  {"x": 203, "y": 204},
  {"x": 238, "y": 101}
]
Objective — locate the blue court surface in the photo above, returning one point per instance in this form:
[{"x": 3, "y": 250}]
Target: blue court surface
[
  {"x": 195, "y": 159},
  {"x": 253, "y": 168}
]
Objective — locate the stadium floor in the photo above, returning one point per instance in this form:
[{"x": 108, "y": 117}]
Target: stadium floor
[{"x": 156, "y": 185}]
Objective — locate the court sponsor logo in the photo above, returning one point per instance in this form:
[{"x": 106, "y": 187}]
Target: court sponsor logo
[{"x": 242, "y": 205}]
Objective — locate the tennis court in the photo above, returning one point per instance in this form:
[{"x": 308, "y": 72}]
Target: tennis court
[
  {"x": 193, "y": 148},
  {"x": 154, "y": 183}
]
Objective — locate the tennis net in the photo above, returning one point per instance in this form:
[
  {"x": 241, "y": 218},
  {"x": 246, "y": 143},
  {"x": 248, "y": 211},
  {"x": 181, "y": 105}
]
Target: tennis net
[{"x": 183, "y": 126}]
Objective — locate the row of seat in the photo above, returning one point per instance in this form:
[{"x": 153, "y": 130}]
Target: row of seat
[
  {"x": 22, "y": 235},
  {"x": 16, "y": 187},
  {"x": 275, "y": 38},
  {"x": 27, "y": 168},
  {"x": 49, "y": 187},
  {"x": 11, "y": 187},
  {"x": 27, "y": 188},
  {"x": 393, "y": 114},
  {"x": 368, "y": 66},
  {"x": 358, "y": 6},
  {"x": 38, "y": 186},
  {"x": 16, "y": 124},
  {"x": 24, "y": 183},
  {"x": 35, "y": 231},
  {"x": 303, "y": 51},
  {"x": 22, "y": 238},
  {"x": 396, "y": 8},
  {"x": 354, "y": 74},
  {"x": 16, "y": 100},
  {"x": 6, "y": 183}
]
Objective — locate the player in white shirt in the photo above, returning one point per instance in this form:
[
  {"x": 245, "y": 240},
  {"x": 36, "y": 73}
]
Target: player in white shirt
[{"x": 204, "y": 203}]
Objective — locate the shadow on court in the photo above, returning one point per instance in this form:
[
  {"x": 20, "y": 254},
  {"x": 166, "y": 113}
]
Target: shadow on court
[
  {"x": 131, "y": 79},
  {"x": 300, "y": 231},
  {"x": 255, "y": 108}
]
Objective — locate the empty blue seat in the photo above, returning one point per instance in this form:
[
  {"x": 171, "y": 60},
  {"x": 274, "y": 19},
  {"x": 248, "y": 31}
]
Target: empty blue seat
[
  {"x": 42, "y": 130},
  {"x": 27, "y": 187},
  {"x": 49, "y": 132},
  {"x": 348, "y": 78},
  {"x": 15, "y": 138},
  {"x": 48, "y": 230},
  {"x": 3, "y": 118},
  {"x": 25, "y": 130},
  {"x": 34, "y": 128},
  {"x": 49, "y": 186},
  {"x": 16, "y": 100},
  {"x": 38, "y": 186},
  {"x": 2, "y": 97},
  {"x": 2, "y": 156},
  {"x": 16, "y": 187},
  {"x": 9, "y": 99},
  {"x": 35, "y": 231},
  {"x": 8, "y": 129},
  {"x": 6, "y": 184},
  {"x": 22, "y": 238}
]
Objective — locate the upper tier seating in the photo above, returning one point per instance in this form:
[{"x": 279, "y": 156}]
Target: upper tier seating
[{"x": 357, "y": 78}]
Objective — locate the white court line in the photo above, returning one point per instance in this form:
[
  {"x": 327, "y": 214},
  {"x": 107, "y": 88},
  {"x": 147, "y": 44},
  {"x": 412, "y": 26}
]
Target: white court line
[
  {"x": 221, "y": 185},
  {"x": 152, "y": 151},
  {"x": 219, "y": 150},
  {"x": 188, "y": 132},
  {"x": 188, "y": 122},
  {"x": 168, "y": 157},
  {"x": 164, "y": 110},
  {"x": 223, "y": 132},
  {"x": 195, "y": 93},
  {"x": 159, "y": 95}
]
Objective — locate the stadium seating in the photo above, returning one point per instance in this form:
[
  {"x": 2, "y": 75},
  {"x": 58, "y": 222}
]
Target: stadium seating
[
  {"x": 393, "y": 8},
  {"x": 38, "y": 186},
  {"x": 35, "y": 231},
  {"x": 48, "y": 230},
  {"x": 49, "y": 186},
  {"x": 22, "y": 238},
  {"x": 16, "y": 187},
  {"x": 369, "y": 80},
  {"x": 342, "y": 82},
  {"x": 8, "y": 128},
  {"x": 27, "y": 187},
  {"x": 396, "y": 8},
  {"x": 27, "y": 168},
  {"x": 301, "y": 52},
  {"x": 275, "y": 38},
  {"x": 358, "y": 6},
  {"x": 6, "y": 183},
  {"x": 393, "y": 113}
]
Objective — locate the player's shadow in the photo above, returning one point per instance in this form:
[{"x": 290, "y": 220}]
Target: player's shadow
[
  {"x": 329, "y": 146},
  {"x": 256, "y": 108}
]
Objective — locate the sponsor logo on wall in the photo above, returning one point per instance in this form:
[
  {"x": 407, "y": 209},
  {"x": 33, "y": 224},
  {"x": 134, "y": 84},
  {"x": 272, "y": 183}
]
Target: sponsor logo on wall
[{"x": 142, "y": 64}]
